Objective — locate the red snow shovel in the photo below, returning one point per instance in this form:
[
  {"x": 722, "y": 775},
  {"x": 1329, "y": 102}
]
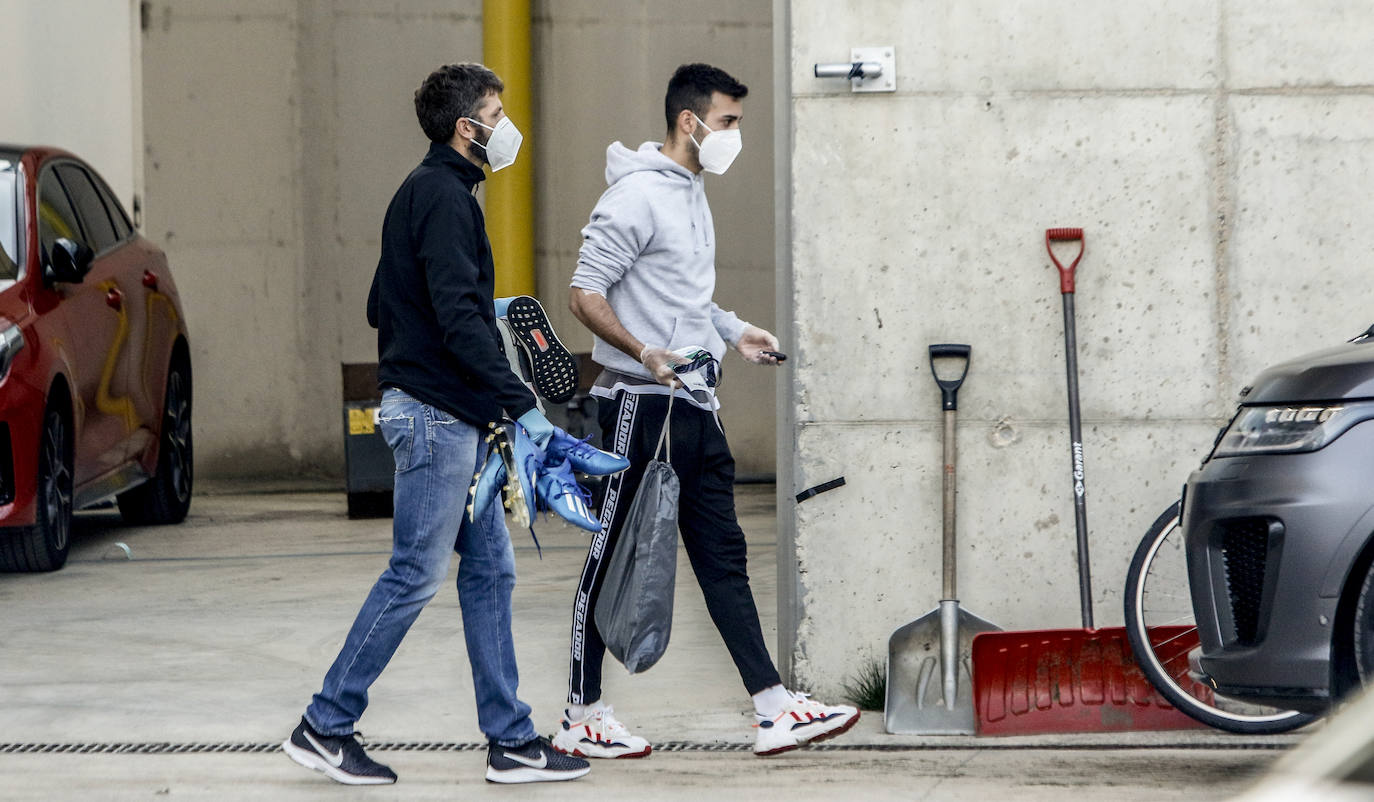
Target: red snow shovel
[{"x": 1067, "y": 680}]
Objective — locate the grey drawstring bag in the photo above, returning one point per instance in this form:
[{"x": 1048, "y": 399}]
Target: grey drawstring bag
[{"x": 634, "y": 612}]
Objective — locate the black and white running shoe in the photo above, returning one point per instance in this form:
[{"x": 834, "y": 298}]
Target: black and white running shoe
[
  {"x": 553, "y": 369},
  {"x": 339, "y": 757},
  {"x": 534, "y": 762}
]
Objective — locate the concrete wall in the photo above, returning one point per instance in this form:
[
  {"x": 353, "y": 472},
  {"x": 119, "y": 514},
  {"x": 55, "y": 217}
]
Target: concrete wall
[
  {"x": 225, "y": 137},
  {"x": 75, "y": 86},
  {"x": 1218, "y": 155},
  {"x": 277, "y": 131}
]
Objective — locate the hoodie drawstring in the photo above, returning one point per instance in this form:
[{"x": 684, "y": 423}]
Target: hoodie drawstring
[{"x": 698, "y": 217}]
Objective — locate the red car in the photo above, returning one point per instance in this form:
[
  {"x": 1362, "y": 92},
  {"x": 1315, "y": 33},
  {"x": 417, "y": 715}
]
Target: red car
[{"x": 95, "y": 371}]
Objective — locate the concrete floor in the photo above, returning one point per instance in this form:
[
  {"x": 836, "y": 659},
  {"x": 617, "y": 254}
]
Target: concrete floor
[{"x": 200, "y": 647}]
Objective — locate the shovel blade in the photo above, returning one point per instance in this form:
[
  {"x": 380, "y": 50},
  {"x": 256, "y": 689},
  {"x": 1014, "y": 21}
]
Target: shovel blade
[
  {"x": 916, "y": 703},
  {"x": 1065, "y": 680}
]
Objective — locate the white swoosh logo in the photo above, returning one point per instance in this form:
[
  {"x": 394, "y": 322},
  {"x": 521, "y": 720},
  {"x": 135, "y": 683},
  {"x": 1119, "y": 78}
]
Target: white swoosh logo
[
  {"x": 335, "y": 758},
  {"x": 542, "y": 762}
]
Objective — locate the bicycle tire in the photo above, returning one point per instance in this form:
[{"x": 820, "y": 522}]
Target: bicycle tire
[{"x": 1161, "y": 648}]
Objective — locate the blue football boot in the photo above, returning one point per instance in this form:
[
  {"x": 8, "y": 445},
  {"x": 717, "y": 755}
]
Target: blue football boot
[
  {"x": 582, "y": 455},
  {"x": 488, "y": 482},
  {"x": 524, "y": 462},
  {"x": 561, "y": 493}
]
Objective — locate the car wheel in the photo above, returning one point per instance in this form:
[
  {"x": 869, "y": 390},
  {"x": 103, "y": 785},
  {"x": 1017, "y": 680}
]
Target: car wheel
[
  {"x": 44, "y": 546},
  {"x": 1364, "y": 631},
  {"x": 166, "y": 497}
]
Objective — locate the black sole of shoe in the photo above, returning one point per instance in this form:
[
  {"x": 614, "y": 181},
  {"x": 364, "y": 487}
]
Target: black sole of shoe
[{"x": 553, "y": 367}]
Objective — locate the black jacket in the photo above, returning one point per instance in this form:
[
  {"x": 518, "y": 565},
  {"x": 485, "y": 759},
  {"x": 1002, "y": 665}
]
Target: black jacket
[{"x": 431, "y": 298}]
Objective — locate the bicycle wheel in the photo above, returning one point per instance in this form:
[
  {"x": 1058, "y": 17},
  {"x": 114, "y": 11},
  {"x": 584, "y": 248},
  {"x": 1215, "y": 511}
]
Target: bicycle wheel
[{"x": 1163, "y": 636}]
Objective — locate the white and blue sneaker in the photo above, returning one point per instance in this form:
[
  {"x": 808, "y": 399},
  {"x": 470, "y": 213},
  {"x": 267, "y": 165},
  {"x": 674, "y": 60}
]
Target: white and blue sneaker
[
  {"x": 598, "y": 734},
  {"x": 803, "y": 721}
]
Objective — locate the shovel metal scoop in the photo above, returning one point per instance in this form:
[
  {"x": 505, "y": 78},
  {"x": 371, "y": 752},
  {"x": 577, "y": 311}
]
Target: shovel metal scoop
[{"x": 929, "y": 679}]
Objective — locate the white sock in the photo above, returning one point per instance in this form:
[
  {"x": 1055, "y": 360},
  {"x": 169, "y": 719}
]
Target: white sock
[
  {"x": 580, "y": 712},
  {"x": 770, "y": 702}
]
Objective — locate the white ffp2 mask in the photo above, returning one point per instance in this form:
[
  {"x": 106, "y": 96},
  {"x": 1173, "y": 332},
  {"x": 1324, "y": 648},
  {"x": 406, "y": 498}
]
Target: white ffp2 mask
[
  {"x": 503, "y": 143},
  {"x": 717, "y": 151}
]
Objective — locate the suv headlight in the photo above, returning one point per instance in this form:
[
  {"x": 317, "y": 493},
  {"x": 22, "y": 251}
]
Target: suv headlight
[
  {"x": 11, "y": 343},
  {"x": 1289, "y": 429}
]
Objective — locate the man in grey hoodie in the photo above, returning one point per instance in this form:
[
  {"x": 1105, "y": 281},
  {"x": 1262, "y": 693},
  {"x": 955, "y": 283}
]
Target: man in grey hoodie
[{"x": 644, "y": 282}]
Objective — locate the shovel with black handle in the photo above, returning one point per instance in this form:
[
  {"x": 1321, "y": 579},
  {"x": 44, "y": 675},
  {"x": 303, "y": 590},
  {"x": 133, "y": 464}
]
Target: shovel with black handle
[{"x": 929, "y": 682}]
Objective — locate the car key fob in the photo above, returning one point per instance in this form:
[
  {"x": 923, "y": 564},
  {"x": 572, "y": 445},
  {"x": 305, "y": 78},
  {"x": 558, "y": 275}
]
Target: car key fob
[{"x": 778, "y": 355}]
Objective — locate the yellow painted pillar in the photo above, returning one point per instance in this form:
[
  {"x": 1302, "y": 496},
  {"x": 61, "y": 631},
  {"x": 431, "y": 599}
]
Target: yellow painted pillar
[{"x": 510, "y": 193}]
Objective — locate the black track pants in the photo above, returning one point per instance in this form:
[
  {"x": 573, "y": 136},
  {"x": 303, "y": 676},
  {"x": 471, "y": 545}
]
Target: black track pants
[{"x": 706, "y": 519}]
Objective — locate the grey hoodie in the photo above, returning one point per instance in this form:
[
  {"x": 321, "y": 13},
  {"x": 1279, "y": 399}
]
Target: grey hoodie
[{"x": 650, "y": 249}]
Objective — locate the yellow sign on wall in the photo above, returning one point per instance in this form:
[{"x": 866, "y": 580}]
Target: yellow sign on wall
[{"x": 362, "y": 421}]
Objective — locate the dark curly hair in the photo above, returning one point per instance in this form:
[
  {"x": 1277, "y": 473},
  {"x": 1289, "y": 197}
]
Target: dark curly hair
[
  {"x": 691, "y": 87},
  {"x": 450, "y": 93}
]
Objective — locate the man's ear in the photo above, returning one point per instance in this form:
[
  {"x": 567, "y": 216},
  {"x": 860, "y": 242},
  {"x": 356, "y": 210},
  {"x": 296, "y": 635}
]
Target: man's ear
[
  {"x": 464, "y": 128},
  {"x": 686, "y": 123}
]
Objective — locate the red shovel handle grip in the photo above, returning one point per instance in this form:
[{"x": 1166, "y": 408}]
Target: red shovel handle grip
[{"x": 1064, "y": 235}]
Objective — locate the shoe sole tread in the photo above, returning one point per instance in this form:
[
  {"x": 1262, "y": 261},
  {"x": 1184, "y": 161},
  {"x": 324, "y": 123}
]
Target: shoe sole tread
[
  {"x": 648, "y": 750},
  {"x": 554, "y": 369}
]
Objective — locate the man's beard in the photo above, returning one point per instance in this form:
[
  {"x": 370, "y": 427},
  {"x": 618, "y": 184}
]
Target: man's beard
[{"x": 483, "y": 142}]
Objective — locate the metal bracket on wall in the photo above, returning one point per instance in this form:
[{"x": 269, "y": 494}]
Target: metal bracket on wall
[{"x": 870, "y": 69}]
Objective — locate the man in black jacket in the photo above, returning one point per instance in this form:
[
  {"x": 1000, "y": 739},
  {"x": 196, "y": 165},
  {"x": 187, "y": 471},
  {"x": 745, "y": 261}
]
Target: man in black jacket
[{"x": 444, "y": 379}]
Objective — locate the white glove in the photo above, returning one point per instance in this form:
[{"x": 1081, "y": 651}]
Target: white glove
[
  {"x": 753, "y": 342},
  {"x": 660, "y": 363}
]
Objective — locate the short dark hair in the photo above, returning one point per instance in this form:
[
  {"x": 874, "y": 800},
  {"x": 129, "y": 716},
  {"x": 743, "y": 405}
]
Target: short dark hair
[
  {"x": 691, "y": 88},
  {"x": 450, "y": 93}
]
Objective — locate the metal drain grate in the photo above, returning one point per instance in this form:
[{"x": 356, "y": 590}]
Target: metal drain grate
[{"x": 669, "y": 746}]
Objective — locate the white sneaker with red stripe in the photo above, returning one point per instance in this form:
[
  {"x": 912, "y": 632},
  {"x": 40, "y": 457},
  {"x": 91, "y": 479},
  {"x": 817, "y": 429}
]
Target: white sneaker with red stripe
[
  {"x": 802, "y": 722},
  {"x": 598, "y": 734}
]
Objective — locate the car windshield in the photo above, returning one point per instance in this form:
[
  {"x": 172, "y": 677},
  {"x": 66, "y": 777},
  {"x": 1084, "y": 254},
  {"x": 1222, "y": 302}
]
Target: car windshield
[{"x": 9, "y": 271}]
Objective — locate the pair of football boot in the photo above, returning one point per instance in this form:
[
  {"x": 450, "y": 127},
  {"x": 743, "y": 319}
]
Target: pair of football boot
[{"x": 533, "y": 477}]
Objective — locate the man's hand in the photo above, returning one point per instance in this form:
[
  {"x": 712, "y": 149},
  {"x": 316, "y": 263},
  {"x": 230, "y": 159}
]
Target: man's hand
[
  {"x": 753, "y": 342},
  {"x": 660, "y": 363}
]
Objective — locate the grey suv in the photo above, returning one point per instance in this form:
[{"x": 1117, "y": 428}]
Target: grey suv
[
  {"x": 1250, "y": 602},
  {"x": 1279, "y": 532}
]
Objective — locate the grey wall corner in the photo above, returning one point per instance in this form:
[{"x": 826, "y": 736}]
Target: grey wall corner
[{"x": 789, "y": 581}]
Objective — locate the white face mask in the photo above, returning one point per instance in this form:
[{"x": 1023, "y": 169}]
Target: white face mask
[
  {"x": 502, "y": 145},
  {"x": 718, "y": 150}
]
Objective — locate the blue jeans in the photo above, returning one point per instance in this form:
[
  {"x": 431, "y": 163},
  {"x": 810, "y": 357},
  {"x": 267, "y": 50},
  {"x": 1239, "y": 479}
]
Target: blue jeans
[{"x": 436, "y": 456}]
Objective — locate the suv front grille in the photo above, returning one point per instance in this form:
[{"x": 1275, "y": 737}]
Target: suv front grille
[{"x": 1245, "y": 555}]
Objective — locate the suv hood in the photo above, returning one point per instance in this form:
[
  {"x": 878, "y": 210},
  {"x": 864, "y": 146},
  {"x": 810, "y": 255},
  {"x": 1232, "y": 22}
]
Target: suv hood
[{"x": 1332, "y": 374}]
